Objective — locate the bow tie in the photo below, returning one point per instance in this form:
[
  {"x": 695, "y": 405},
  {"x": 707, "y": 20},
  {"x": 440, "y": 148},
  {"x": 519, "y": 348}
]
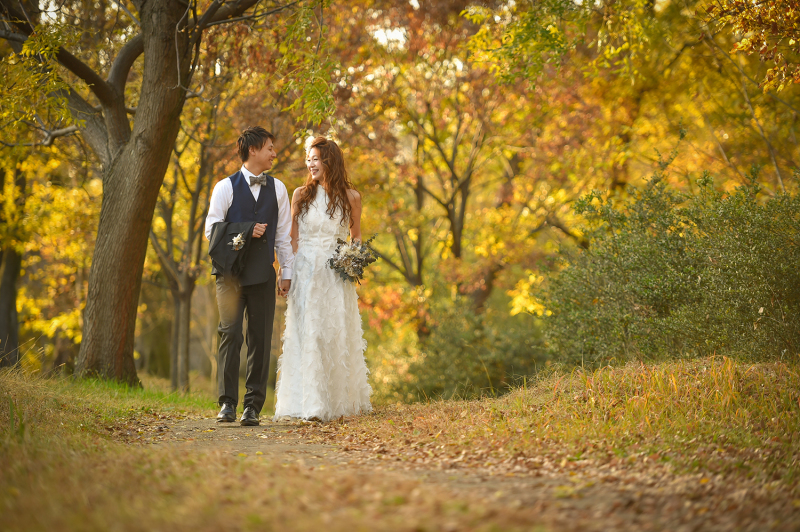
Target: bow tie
[{"x": 260, "y": 179}]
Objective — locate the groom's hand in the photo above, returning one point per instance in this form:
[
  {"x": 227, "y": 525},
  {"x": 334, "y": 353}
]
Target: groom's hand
[{"x": 259, "y": 230}]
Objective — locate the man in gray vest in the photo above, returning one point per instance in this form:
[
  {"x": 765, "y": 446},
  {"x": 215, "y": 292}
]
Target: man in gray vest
[{"x": 250, "y": 195}]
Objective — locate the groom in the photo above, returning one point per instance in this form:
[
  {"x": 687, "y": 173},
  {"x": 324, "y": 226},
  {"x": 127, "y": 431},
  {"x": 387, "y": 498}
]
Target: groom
[{"x": 252, "y": 196}]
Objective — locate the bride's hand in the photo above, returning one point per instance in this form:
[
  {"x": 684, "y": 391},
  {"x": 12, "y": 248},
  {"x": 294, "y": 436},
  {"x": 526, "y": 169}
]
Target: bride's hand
[{"x": 283, "y": 287}]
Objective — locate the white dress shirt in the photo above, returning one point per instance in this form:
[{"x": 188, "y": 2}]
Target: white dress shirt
[{"x": 222, "y": 198}]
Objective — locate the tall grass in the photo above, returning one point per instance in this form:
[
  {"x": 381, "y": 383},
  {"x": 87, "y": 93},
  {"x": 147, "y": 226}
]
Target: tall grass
[{"x": 712, "y": 414}]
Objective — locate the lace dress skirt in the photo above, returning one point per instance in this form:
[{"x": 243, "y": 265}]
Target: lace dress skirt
[{"x": 322, "y": 373}]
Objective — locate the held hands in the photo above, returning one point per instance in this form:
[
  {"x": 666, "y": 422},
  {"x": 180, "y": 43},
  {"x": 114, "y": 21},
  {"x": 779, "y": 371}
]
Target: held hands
[
  {"x": 259, "y": 230},
  {"x": 283, "y": 287}
]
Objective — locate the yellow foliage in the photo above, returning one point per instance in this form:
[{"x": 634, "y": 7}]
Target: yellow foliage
[{"x": 523, "y": 299}]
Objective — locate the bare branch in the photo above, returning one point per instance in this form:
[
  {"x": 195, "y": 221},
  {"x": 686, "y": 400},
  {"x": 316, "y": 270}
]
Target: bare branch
[
  {"x": 721, "y": 149},
  {"x": 56, "y": 133},
  {"x": 714, "y": 46},
  {"x": 391, "y": 263},
  {"x": 433, "y": 195},
  {"x": 125, "y": 9},
  {"x": 553, "y": 221},
  {"x": 49, "y": 135},
  {"x": 763, "y": 135},
  {"x": 166, "y": 262}
]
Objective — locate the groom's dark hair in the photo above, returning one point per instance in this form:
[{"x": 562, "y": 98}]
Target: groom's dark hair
[{"x": 256, "y": 137}]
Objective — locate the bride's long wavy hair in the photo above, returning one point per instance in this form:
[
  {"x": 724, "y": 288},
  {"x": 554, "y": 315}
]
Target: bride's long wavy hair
[{"x": 334, "y": 179}]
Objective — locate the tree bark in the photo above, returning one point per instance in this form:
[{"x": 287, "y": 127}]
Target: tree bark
[
  {"x": 10, "y": 263},
  {"x": 134, "y": 160},
  {"x": 131, "y": 185},
  {"x": 184, "y": 321},
  {"x": 173, "y": 340},
  {"x": 10, "y": 266},
  {"x": 64, "y": 359}
]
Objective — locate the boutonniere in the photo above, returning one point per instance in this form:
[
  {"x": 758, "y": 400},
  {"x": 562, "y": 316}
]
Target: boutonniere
[{"x": 238, "y": 242}]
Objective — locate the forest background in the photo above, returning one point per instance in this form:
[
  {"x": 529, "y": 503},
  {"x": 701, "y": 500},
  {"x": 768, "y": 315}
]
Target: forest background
[{"x": 549, "y": 182}]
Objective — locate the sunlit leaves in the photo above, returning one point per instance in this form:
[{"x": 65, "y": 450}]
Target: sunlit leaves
[
  {"x": 305, "y": 67},
  {"x": 770, "y": 29},
  {"x": 520, "y": 41},
  {"x": 60, "y": 223},
  {"x": 29, "y": 80}
]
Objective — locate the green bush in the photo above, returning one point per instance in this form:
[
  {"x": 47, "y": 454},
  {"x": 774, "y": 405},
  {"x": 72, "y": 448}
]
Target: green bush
[
  {"x": 470, "y": 354},
  {"x": 674, "y": 275}
]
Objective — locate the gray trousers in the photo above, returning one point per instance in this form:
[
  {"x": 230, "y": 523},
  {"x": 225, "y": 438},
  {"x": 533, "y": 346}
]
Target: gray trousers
[{"x": 258, "y": 301}]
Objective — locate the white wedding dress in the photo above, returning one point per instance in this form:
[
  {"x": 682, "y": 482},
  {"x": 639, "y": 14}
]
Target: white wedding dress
[{"x": 322, "y": 373}]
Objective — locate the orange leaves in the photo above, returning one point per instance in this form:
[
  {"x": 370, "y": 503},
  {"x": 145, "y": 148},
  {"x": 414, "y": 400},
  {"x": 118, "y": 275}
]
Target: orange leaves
[{"x": 771, "y": 29}]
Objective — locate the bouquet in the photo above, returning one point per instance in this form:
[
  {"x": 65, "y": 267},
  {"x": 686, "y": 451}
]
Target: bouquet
[{"x": 350, "y": 259}]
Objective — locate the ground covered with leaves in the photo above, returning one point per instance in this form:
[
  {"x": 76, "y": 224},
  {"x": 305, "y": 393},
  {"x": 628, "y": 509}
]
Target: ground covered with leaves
[{"x": 705, "y": 445}]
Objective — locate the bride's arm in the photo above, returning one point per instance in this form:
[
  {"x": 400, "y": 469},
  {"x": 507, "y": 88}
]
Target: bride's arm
[
  {"x": 293, "y": 233},
  {"x": 355, "y": 214}
]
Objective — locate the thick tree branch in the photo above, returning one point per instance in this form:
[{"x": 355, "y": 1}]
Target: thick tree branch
[
  {"x": 252, "y": 17},
  {"x": 208, "y": 16},
  {"x": 98, "y": 85},
  {"x": 433, "y": 195},
  {"x": 127, "y": 55},
  {"x": 11, "y": 36},
  {"x": 94, "y": 127},
  {"x": 219, "y": 14}
]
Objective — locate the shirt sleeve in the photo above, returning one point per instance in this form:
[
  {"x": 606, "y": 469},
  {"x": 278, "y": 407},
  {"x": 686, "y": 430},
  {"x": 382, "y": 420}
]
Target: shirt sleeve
[
  {"x": 283, "y": 242},
  {"x": 220, "y": 202}
]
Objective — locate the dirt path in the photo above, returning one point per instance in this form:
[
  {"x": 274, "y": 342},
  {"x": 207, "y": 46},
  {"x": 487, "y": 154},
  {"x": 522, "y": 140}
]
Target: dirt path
[{"x": 589, "y": 498}]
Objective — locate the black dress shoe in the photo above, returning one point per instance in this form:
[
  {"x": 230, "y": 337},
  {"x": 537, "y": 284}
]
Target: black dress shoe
[
  {"x": 227, "y": 413},
  {"x": 249, "y": 417}
]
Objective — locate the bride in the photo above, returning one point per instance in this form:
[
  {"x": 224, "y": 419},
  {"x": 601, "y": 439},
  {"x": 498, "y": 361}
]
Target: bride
[{"x": 322, "y": 374}]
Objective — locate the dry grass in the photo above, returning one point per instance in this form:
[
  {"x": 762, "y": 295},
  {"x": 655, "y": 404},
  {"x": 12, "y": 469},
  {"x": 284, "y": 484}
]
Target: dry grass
[
  {"x": 711, "y": 417},
  {"x": 716, "y": 435},
  {"x": 60, "y": 469}
]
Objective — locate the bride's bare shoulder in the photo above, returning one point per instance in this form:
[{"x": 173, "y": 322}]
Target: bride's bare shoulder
[
  {"x": 353, "y": 196},
  {"x": 297, "y": 192}
]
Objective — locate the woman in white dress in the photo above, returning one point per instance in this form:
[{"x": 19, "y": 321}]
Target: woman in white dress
[{"x": 322, "y": 374}]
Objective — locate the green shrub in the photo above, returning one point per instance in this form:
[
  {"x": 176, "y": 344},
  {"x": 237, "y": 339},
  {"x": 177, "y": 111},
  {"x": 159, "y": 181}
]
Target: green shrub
[
  {"x": 674, "y": 275},
  {"x": 470, "y": 354}
]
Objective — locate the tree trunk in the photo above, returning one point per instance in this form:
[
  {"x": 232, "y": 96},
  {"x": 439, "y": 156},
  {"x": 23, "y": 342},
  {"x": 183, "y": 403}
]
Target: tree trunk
[
  {"x": 183, "y": 323},
  {"x": 180, "y": 334},
  {"x": 173, "y": 340},
  {"x": 64, "y": 359},
  {"x": 10, "y": 262},
  {"x": 130, "y": 190}
]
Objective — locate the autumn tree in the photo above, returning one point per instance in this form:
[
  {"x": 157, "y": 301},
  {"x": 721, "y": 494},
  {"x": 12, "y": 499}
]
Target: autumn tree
[
  {"x": 769, "y": 29},
  {"x": 24, "y": 108},
  {"x": 133, "y": 153}
]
